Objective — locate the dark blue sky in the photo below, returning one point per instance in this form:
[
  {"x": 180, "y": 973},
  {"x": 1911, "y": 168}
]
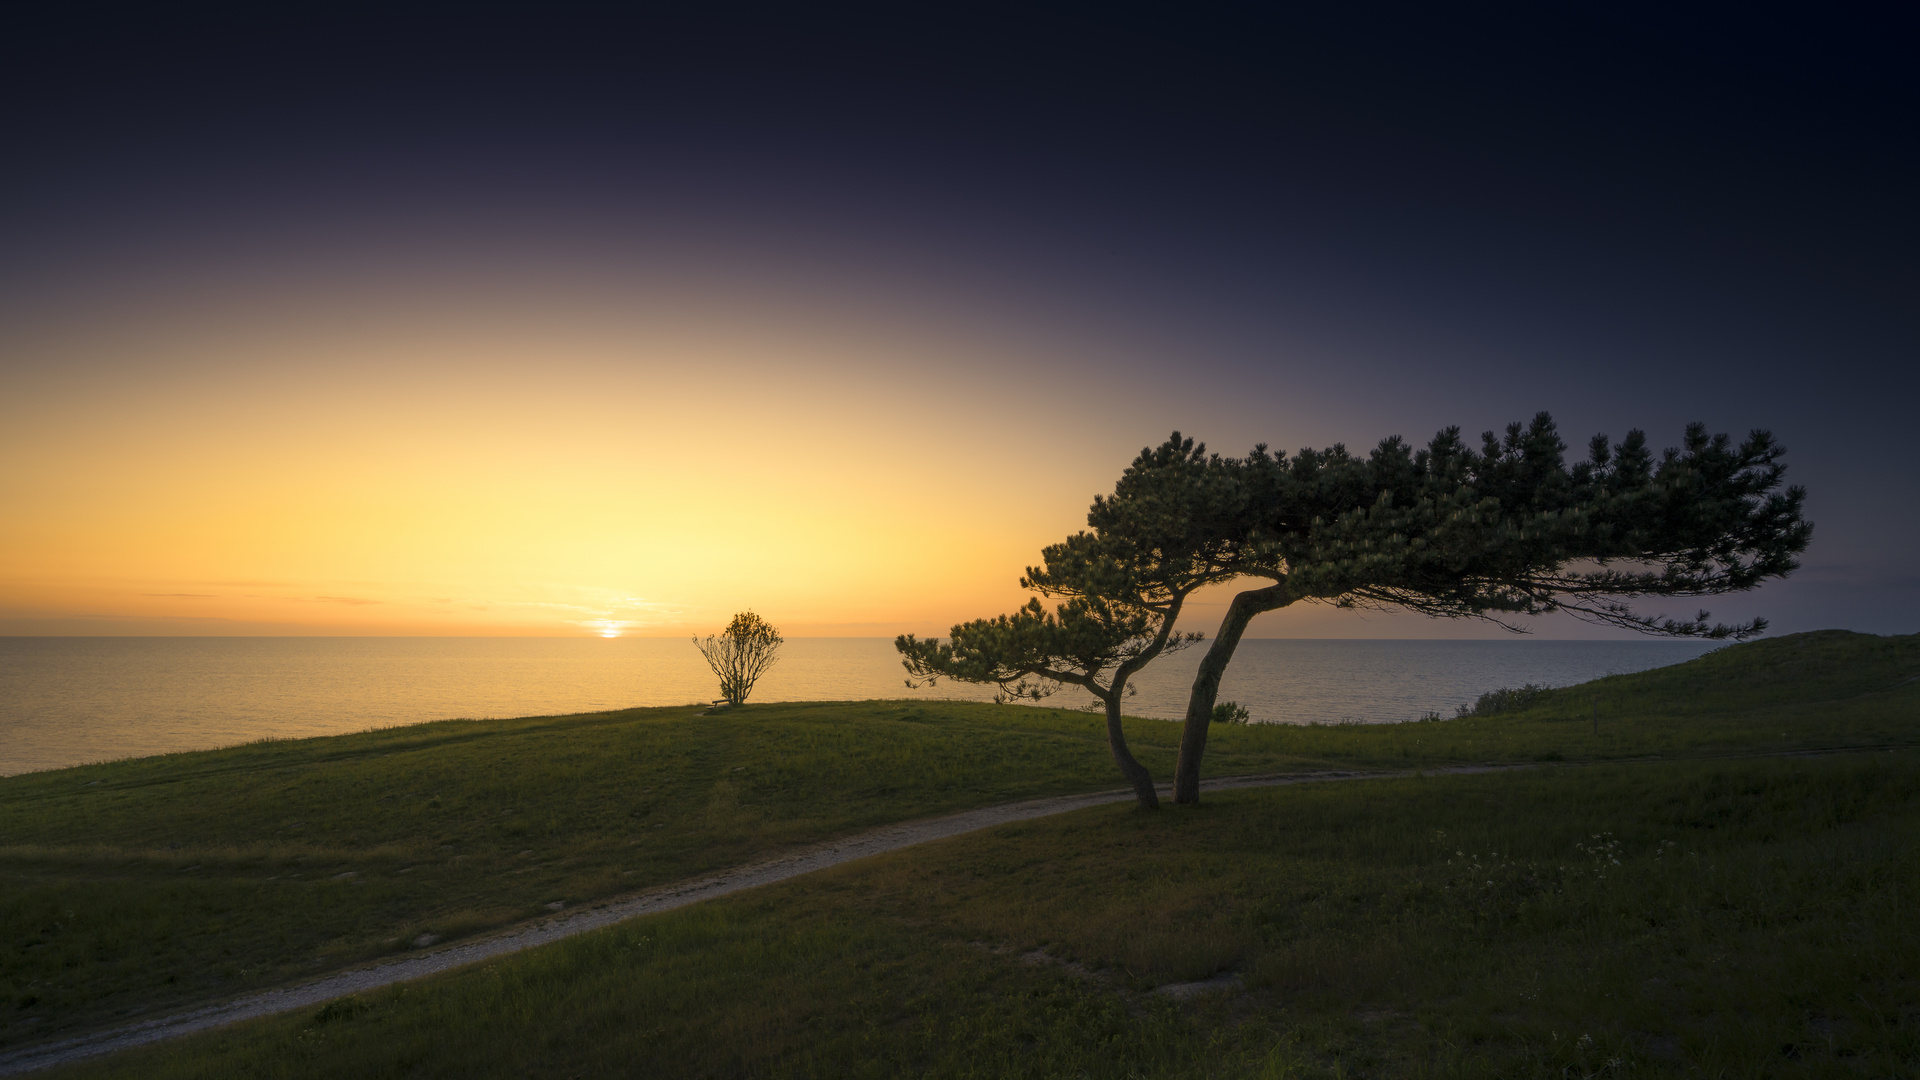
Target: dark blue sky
[{"x": 1295, "y": 227}]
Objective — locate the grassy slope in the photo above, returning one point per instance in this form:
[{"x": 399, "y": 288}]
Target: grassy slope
[
  {"x": 433, "y": 819},
  {"x": 1726, "y": 918},
  {"x": 154, "y": 882}
]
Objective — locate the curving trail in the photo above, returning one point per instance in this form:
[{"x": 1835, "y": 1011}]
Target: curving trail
[{"x": 666, "y": 898}]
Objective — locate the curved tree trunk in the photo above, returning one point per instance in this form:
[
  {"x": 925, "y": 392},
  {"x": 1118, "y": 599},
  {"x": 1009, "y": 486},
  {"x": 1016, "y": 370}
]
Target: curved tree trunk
[
  {"x": 1135, "y": 772},
  {"x": 1206, "y": 684}
]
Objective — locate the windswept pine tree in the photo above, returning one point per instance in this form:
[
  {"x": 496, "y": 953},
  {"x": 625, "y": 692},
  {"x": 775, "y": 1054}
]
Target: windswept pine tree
[
  {"x": 1502, "y": 532},
  {"x": 1122, "y": 591}
]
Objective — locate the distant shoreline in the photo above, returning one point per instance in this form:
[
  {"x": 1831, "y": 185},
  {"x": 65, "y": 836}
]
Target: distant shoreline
[{"x": 70, "y": 700}]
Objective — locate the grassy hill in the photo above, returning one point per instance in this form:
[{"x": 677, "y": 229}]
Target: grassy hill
[{"x": 144, "y": 884}]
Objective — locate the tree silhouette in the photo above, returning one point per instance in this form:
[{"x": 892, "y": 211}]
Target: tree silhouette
[
  {"x": 1507, "y": 531},
  {"x": 1093, "y": 645},
  {"x": 1173, "y": 523},
  {"x": 741, "y": 654}
]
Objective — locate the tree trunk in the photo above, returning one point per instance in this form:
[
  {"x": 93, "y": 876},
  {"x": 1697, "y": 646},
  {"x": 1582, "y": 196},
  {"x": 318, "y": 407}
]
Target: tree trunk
[
  {"x": 1206, "y": 684},
  {"x": 1135, "y": 772}
]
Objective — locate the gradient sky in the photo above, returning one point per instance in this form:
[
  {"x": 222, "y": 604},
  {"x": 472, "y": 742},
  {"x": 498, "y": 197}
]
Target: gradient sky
[{"x": 558, "y": 323}]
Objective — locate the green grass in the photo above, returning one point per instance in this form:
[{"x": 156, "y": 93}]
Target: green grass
[
  {"x": 145, "y": 884},
  {"x": 1718, "y": 919},
  {"x": 136, "y": 887}
]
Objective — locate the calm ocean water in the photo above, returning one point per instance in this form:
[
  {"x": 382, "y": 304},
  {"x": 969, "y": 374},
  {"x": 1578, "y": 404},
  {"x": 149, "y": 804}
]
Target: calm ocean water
[{"x": 68, "y": 701}]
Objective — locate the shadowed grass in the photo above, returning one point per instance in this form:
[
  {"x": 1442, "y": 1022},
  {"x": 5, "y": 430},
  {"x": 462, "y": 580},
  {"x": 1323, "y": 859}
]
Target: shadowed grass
[
  {"x": 1737, "y": 918},
  {"x": 143, "y": 885}
]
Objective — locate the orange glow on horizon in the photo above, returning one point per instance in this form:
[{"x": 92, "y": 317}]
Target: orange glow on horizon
[
  {"x": 519, "y": 479},
  {"x": 613, "y": 478}
]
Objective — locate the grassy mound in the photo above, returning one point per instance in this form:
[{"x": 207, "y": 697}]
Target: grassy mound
[
  {"x": 139, "y": 886},
  {"x": 1779, "y": 676}
]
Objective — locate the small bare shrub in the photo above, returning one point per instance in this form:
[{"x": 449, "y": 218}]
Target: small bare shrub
[{"x": 741, "y": 654}]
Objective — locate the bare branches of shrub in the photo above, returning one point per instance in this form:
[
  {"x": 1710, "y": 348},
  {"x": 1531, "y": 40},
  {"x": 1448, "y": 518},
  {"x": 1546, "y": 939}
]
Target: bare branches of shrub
[{"x": 741, "y": 654}]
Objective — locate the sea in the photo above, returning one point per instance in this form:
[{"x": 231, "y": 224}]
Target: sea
[{"x": 75, "y": 700}]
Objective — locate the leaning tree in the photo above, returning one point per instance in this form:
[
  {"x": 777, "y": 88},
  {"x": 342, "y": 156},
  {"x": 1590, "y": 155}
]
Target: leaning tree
[
  {"x": 1506, "y": 531},
  {"x": 1095, "y": 645},
  {"x": 1173, "y": 515}
]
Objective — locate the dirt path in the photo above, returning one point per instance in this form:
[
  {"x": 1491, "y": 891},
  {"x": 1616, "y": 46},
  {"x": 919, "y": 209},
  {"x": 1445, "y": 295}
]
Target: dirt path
[{"x": 665, "y": 898}]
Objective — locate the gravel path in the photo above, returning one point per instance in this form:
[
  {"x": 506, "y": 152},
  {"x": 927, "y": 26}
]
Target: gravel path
[{"x": 665, "y": 898}]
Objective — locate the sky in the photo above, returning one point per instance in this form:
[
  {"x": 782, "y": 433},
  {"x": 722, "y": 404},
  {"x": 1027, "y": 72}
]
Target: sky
[{"x": 562, "y": 323}]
